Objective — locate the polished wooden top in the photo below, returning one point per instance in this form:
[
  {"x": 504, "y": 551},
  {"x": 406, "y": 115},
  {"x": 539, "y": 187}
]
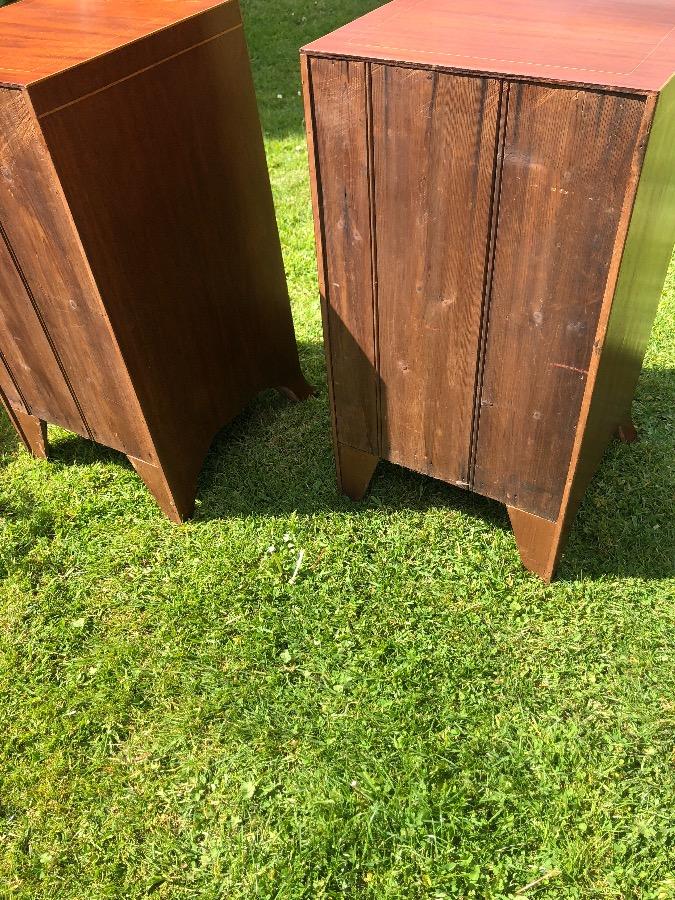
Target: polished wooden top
[
  {"x": 40, "y": 38},
  {"x": 624, "y": 44}
]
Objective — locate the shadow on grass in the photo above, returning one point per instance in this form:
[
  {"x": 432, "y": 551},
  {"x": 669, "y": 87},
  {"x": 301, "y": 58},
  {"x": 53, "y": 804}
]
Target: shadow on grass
[
  {"x": 276, "y": 458},
  {"x": 622, "y": 529}
]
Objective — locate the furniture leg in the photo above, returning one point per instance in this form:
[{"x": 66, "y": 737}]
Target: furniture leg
[
  {"x": 175, "y": 495},
  {"x": 627, "y": 432},
  {"x": 296, "y": 388},
  {"x": 540, "y": 542},
  {"x": 354, "y": 469},
  {"x": 32, "y": 431}
]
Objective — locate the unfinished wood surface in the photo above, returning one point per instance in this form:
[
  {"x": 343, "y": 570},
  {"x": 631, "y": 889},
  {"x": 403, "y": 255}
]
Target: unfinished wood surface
[
  {"x": 572, "y": 262},
  {"x": 339, "y": 91},
  {"x": 30, "y": 360},
  {"x": 610, "y": 43},
  {"x": 434, "y": 158},
  {"x": 32, "y": 432},
  {"x": 624, "y": 333},
  {"x": 9, "y": 392},
  {"x": 566, "y": 169}
]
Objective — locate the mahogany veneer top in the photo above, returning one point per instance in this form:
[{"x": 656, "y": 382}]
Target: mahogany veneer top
[
  {"x": 39, "y": 38},
  {"x": 624, "y": 44}
]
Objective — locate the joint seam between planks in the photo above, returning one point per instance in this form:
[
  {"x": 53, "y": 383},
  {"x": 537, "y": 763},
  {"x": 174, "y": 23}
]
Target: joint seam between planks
[
  {"x": 490, "y": 250},
  {"x": 43, "y": 325},
  {"x": 159, "y": 62}
]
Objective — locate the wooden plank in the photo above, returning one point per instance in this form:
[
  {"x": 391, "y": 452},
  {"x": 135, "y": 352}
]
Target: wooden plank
[
  {"x": 30, "y": 359},
  {"x": 624, "y": 329},
  {"x": 8, "y": 388},
  {"x": 639, "y": 264},
  {"x": 434, "y": 159},
  {"x": 315, "y": 189},
  {"x": 50, "y": 256},
  {"x": 567, "y": 167},
  {"x": 608, "y": 43},
  {"x": 341, "y": 132}
]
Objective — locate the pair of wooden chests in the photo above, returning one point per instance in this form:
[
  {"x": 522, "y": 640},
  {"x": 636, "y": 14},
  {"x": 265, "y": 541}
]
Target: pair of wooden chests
[{"x": 494, "y": 203}]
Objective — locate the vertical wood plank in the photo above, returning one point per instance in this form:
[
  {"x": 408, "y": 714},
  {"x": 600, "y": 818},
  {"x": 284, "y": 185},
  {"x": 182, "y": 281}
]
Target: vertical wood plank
[
  {"x": 50, "y": 254},
  {"x": 631, "y": 306},
  {"x": 567, "y": 166},
  {"x": 434, "y": 161},
  {"x": 341, "y": 131},
  {"x": 32, "y": 367}
]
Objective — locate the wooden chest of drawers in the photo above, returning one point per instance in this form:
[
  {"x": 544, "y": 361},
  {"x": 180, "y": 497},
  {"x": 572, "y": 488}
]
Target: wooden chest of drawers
[
  {"x": 142, "y": 293},
  {"x": 494, "y": 191}
]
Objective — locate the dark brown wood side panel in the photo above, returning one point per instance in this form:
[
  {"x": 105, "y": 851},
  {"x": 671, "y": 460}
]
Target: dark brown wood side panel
[
  {"x": 166, "y": 179},
  {"x": 36, "y": 376},
  {"x": 623, "y": 339},
  {"x": 567, "y": 167},
  {"x": 340, "y": 102},
  {"x": 434, "y": 137},
  {"x": 50, "y": 255}
]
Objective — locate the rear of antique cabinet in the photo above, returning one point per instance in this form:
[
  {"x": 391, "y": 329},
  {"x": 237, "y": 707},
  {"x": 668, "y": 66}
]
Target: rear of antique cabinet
[{"x": 471, "y": 227}]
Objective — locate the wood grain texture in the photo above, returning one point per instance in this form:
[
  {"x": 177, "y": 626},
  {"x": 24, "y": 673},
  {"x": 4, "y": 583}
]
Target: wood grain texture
[
  {"x": 41, "y": 38},
  {"x": 8, "y": 389},
  {"x": 647, "y": 226},
  {"x": 315, "y": 190},
  {"x": 567, "y": 165},
  {"x": 632, "y": 301},
  {"x": 30, "y": 360},
  {"x": 341, "y": 130},
  {"x": 33, "y": 432},
  {"x": 138, "y": 206},
  {"x": 49, "y": 252},
  {"x": 133, "y": 59},
  {"x": 434, "y": 157},
  {"x": 569, "y": 291},
  {"x": 610, "y": 43},
  {"x": 197, "y": 261}
]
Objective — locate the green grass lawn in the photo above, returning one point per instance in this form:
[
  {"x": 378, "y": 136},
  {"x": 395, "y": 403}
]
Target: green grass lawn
[{"x": 413, "y": 716}]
